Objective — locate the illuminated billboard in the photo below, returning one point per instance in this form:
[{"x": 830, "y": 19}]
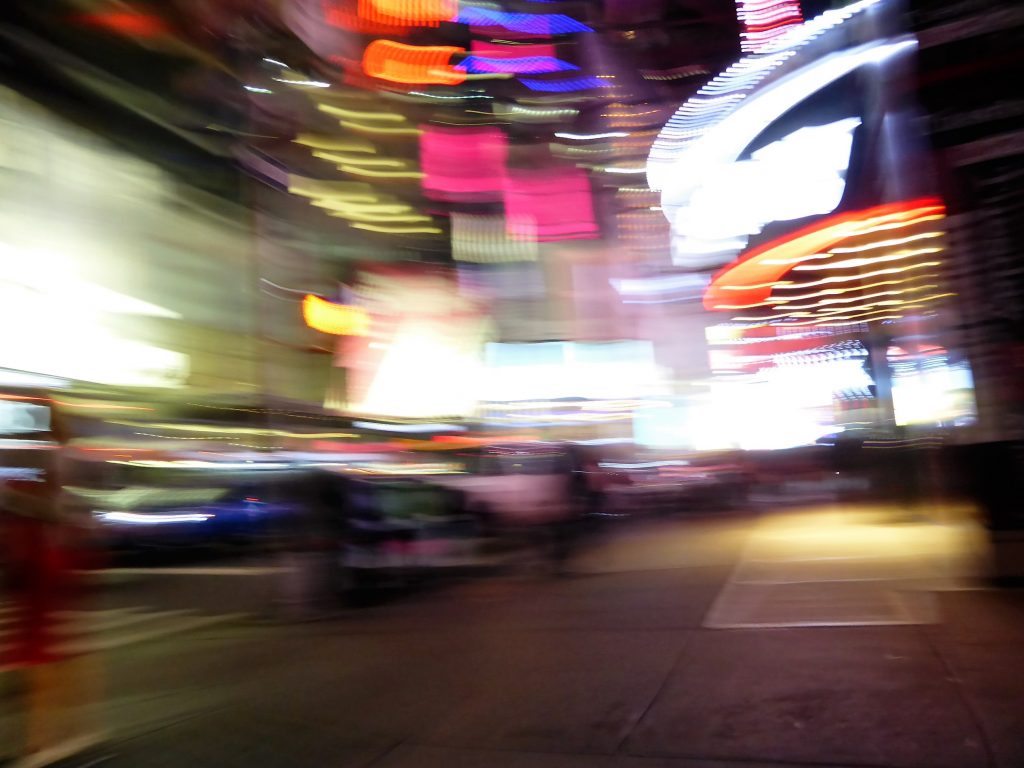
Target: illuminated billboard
[
  {"x": 794, "y": 180},
  {"x": 421, "y": 353}
]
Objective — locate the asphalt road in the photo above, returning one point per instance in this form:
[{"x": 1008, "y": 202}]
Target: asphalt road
[{"x": 842, "y": 636}]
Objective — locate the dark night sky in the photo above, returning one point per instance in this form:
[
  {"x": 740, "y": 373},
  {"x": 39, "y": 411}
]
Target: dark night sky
[{"x": 814, "y": 7}]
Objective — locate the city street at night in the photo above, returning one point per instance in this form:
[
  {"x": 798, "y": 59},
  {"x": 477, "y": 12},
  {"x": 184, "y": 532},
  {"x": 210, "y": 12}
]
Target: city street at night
[{"x": 511, "y": 384}]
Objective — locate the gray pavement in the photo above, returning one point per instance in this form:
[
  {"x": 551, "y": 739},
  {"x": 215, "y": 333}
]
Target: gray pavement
[{"x": 615, "y": 666}]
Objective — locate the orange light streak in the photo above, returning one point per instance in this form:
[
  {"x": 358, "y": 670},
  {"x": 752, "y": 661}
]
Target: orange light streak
[
  {"x": 408, "y": 13},
  {"x": 335, "y": 319},
  {"x": 412, "y": 64}
]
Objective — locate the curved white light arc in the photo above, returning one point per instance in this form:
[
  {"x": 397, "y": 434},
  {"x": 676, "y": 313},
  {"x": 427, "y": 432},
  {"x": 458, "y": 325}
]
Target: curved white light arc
[
  {"x": 729, "y": 88},
  {"x": 727, "y": 141}
]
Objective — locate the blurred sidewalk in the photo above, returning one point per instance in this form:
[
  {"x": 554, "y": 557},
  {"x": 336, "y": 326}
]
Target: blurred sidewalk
[{"x": 855, "y": 638}]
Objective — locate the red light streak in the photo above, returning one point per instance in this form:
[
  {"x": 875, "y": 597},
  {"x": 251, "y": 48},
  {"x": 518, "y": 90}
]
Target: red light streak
[{"x": 127, "y": 23}]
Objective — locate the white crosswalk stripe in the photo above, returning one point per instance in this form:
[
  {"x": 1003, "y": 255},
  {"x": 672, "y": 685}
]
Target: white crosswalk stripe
[{"x": 107, "y": 629}]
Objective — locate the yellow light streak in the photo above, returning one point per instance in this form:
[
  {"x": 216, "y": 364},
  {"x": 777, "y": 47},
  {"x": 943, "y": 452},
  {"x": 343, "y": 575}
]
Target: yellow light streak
[
  {"x": 826, "y": 302},
  {"x": 383, "y": 218},
  {"x": 342, "y": 206},
  {"x": 857, "y": 248},
  {"x": 387, "y": 117},
  {"x": 353, "y": 191},
  {"x": 798, "y": 259},
  {"x": 887, "y": 243},
  {"x": 856, "y": 263},
  {"x": 827, "y": 314},
  {"x": 840, "y": 291},
  {"x": 332, "y": 157},
  {"x": 901, "y": 224},
  {"x": 399, "y": 230},
  {"x": 316, "y": 141},
  {"x": 380, "y": 129},
  {"x": 774, "y": 300},
  {"x": 756, "y": 285},
  {"x": 380, "y": 174},
  {"x": 766, "y": 303},
  {"x": 876, "y": 273},
  {"x": 214, "y": 430}
]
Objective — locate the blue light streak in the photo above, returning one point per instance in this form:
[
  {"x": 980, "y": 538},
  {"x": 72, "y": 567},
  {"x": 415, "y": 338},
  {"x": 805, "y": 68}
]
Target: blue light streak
[
  {"x": 524, "y": 65},
  {"x": 530, "y": 23},
  {"x": 561, "y": 86}
]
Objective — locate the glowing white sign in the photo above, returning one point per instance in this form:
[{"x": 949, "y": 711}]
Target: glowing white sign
[
  {"x": 558, "y": 370},
  {"x": 745, "y": 196},
  {"x": 714, "y": 201},
  {"x": 56, "y": 326}
]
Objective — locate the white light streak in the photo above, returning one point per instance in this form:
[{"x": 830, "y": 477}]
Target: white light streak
[
  {"x": 303, "y": 83},
  {"x": 408, "y": 428},
  {"x": 134, "y": 518},
  {"x": 887, "y": 243},
  {"x": 589, "y": 136}
]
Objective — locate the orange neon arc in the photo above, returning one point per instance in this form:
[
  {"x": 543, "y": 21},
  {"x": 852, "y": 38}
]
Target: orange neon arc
[
  {"x": 412, "y": 64},
  {"x": 335, "y": 319},
  {"x": 408, "y": 13},
  {"x": 751, "y": 279}
]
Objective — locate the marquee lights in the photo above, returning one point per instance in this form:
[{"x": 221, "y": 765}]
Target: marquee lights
[{"x": 765, "y": 21}]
